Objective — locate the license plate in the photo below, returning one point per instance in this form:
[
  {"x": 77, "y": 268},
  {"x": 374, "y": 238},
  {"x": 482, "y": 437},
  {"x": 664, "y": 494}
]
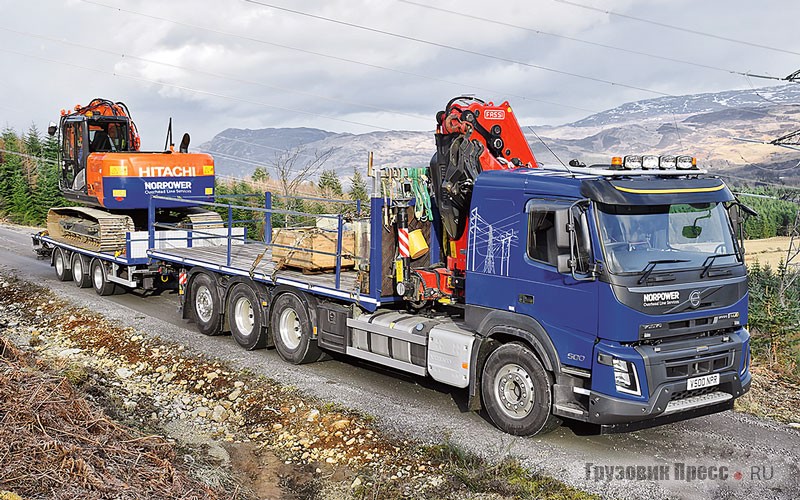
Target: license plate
[{"x": 701, "y": 382}]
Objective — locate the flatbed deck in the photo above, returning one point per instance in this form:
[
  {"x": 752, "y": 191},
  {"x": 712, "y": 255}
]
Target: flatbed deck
[{"x": 242, "y": 260}]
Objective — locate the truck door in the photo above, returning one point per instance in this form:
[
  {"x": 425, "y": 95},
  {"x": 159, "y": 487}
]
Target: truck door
[{"x": 566, "y": 307}]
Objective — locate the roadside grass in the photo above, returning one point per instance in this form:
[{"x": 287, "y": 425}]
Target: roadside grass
[{"x": 467, "y": 472}]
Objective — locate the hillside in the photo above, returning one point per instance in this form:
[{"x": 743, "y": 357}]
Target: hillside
[{"x": 704, "y": 125}]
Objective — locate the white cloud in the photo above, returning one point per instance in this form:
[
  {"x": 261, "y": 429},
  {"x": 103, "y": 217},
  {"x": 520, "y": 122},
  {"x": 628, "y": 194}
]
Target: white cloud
[{"x": 421, "y": 78}]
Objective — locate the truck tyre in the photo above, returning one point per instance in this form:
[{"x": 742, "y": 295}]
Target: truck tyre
[
  {"x": 205, "y": 304},
  {"x": 60, "y": 263},
  {"x": 99, "y": 276},
  {"x": 245, "y": 317},
  {"x": 291, "y": 330},
  {"x": 80, "y": 271},
  {"x": 517, "y": 393}
]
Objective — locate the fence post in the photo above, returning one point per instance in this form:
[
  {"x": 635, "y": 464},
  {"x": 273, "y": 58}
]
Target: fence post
[{"x": 358, "y": 208}]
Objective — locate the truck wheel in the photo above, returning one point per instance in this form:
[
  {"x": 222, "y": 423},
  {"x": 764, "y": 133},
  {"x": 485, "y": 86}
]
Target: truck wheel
[
  {"x": 291, "y": 330},
  {"x": 102, "y": 286},
  {"x": 245, "y": 318},
  {"x": 80, "y": 271},
  {"x": 517, "y": 392},
  {"x": 60, "y": 263},
  {"x": 205, "y": 304}
]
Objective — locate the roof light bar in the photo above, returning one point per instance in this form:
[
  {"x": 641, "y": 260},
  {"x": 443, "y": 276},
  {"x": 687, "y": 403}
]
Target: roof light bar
[{"x": 653, "y": 162}]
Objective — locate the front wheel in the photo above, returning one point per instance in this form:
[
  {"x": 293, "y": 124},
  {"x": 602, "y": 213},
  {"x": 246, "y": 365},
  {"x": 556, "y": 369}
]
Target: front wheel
[
  {"x": 517, "y": 393},
  {"x": 291, "y": 330}
]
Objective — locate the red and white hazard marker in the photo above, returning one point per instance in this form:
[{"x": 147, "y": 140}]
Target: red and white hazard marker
[{"x": 402, "y": 242}]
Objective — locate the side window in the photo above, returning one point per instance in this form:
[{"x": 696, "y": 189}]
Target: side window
[
  {"x": 541, "y": 237},
  {"x": 69, "y": 144}
]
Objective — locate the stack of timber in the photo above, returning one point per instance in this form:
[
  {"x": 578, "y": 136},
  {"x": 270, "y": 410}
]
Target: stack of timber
[{"x": 311, "y": 249}]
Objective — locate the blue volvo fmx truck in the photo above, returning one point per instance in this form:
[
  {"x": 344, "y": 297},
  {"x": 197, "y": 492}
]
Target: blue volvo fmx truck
[{"x": 613, "y": 294}]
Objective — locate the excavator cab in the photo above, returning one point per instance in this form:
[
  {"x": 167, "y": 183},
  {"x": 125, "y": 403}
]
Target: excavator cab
[{"x": 81, "y": 136}]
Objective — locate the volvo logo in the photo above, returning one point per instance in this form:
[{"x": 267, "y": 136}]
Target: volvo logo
[{"x": 694, "y": 298}]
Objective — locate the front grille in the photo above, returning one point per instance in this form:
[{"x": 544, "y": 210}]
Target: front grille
[
  {"x": 690, "y": 394},
  {"x": 691, "y": 366}
]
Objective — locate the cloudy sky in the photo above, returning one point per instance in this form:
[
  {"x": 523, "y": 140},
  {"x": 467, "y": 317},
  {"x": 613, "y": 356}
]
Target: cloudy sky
[{"x": 363, "y": 65}]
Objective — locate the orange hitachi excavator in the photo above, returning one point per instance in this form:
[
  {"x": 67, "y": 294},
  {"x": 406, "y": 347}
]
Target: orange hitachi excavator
[{"x": 103, "y": 168}]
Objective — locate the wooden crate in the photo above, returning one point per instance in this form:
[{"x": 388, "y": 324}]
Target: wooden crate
[{"x": 308, "y": 242}]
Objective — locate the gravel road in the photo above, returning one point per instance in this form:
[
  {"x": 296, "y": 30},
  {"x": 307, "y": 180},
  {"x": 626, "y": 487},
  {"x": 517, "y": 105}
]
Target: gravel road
[{"x": 728, "y": 455}]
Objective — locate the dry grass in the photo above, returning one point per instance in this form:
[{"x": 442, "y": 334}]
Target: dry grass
[{"x": 55, "y": 443}]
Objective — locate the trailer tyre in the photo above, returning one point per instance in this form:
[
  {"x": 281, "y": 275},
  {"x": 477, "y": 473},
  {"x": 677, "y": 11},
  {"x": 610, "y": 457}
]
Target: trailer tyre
[
  {"x": 517, "y": 392},
  {"x": 246, "y": 318},
  {"x": 80, "y": 271},
  {"x": 60, "y": 263},
  {"x": 206, "y": 306},
  {"x": 291, "y": 330},
  {"x": 100, "y": 281}
]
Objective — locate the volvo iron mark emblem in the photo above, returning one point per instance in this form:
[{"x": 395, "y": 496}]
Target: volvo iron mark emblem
[{"x": 694, "y": 298}]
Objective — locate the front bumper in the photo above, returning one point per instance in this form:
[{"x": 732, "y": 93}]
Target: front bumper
[{"x": 619, "y": 415}]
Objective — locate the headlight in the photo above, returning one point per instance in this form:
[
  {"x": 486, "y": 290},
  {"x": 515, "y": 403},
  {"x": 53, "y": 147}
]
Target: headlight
[
  {"x": 745, "y": 362},
  {"x": 626, "y": 379}
]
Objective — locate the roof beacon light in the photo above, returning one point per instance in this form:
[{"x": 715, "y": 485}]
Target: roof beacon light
[
  {"x": 616, "y": 161},
  {"x": 649, "y": 162},
  {"x": 687, "y": 163},
  {"x": 632, "y": 162},
  {"x": 666, "y": 163}
]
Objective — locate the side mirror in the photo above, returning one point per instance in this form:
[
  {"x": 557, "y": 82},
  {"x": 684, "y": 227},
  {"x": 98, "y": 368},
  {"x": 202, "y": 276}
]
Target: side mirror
[
  {"x": 563, "y": 228},
  {"x": 184, "y": 147},
  {"x": 691, "y": 232},
  {"x": 51, "y": 129},
  {"x": 572, "y": 241}
]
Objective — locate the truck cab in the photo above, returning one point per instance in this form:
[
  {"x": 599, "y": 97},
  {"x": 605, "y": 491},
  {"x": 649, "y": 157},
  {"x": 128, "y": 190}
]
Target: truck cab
[{"x": 628, "y": 283}]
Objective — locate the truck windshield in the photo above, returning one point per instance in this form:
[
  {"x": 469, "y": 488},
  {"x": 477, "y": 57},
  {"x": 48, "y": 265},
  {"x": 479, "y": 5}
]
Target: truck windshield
[{"x": 679, "y": 236}]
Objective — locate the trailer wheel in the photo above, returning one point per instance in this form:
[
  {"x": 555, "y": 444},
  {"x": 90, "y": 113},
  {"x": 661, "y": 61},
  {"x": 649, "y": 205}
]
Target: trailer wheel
[
  {"x": 206, "y": 307},
  {"x": 245, "y": 318},
  {"x": 517, "y": 393},
  {"x": 102, "y": 286},
  {"x": 291, "y": 330},
  {"x": 60, "y": 263},
  {"x": 80, "y": 271}
]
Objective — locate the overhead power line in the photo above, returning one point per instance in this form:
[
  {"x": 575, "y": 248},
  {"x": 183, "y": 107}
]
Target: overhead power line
[
  {"x": 461, "y": 85},
  {"x": 459, "y": 49},
  {"x": 571, "y": 38},
  {"x": 678, "y": 28}
]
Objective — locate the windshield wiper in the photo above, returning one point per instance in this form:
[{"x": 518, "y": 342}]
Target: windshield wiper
[
  {"x": 710, "y": 261},
  {"x": 648, "y": 269}
]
